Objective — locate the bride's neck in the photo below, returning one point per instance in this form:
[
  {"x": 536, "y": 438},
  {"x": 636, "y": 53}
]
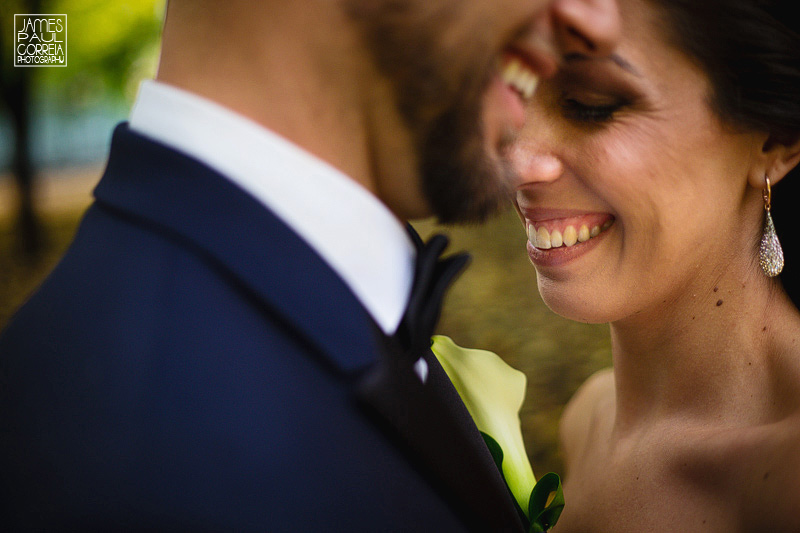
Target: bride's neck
[{"x": 704, "y": 355}]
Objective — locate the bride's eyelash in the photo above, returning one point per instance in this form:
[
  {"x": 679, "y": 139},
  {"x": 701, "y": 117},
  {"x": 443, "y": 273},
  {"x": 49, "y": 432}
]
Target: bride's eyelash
[{"x": 592, "y": 113}]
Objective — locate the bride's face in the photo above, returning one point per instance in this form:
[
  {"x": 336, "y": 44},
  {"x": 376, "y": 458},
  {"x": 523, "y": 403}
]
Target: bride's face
[{"x": 624, "y": 157}]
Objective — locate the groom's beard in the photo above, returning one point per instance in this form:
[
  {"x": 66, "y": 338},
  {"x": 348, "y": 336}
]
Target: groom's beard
[
  {"x": 439, "y": 95},
  {"x": 460, "y": 180}
]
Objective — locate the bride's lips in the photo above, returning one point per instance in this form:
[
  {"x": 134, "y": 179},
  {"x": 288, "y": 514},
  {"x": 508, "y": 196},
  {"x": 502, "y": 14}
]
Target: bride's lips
[{"x": 556, "y": 237}]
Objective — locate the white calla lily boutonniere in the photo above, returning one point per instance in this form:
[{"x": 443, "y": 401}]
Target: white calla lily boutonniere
[{"x": 493, "y": 393}]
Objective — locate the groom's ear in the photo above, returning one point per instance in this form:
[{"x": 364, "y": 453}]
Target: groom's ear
[{"x": 779, "y": 155}]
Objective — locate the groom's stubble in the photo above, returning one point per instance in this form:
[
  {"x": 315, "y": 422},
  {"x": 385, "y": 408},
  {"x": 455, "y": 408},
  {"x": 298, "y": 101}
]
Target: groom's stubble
[{"x": 439, "y": 88}]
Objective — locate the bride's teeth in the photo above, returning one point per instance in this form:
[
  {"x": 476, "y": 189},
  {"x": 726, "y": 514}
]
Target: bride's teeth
[
  {"x": 583, "y": 233},
  {"x": 570, "y": 236},
  {"x": 543, "y": 239},
  {"x": 556, "y": 240},
  {"x": 531, "y": 231}
]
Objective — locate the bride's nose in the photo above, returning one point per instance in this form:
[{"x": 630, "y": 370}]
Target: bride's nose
[{"x": 534, "y": 165}]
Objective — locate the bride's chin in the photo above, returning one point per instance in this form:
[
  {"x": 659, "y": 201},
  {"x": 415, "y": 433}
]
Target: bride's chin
[{"x": 574, "y": 308}]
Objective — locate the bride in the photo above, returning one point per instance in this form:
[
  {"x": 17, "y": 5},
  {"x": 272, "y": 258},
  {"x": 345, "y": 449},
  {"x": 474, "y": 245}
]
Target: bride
[{"x": 652, "y": 179}]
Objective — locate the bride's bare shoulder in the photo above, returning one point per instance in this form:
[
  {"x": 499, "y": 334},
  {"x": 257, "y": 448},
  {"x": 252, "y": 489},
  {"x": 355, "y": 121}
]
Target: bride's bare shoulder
[{"x": 592, "y": 401}]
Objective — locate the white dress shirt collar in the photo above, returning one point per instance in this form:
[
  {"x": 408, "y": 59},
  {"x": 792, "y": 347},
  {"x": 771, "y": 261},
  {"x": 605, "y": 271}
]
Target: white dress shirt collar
[{"x": 349, "y": 227}]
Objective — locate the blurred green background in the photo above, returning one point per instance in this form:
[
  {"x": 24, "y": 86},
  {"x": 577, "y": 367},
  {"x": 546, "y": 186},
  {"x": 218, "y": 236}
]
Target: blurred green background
[{"x": 55, "y": 126}]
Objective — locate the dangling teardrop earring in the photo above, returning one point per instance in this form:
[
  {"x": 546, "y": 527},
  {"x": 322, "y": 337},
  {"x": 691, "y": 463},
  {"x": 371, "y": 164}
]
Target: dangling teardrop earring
[{"x": 770, "y": 253}]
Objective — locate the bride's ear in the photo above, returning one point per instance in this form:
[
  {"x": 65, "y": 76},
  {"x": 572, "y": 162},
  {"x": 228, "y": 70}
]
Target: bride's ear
[{"x": 778, "y": 158}]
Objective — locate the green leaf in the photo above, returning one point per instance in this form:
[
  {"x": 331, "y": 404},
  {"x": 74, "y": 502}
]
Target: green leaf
[
  {"x": 497, "y": 454},
  {"x": 546, "y": 502},
  {"x": 495, "y": 450}
]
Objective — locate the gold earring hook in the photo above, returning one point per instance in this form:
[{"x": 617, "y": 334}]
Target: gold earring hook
[{"x": 767, "y": 194}]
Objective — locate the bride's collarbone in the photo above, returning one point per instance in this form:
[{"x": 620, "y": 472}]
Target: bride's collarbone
[
  {"x": 717, "y": 474},
  {"x": 651, "y": 479}
]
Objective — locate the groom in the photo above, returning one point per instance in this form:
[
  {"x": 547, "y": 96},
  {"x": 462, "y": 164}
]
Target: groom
[{"x": 215, "y": 351}]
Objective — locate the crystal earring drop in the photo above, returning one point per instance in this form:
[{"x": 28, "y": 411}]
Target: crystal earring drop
[{"x": 770, "y": 253}]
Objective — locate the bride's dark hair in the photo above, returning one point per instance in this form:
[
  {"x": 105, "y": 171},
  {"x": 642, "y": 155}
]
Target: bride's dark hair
[{"x": 750, "y": 50}]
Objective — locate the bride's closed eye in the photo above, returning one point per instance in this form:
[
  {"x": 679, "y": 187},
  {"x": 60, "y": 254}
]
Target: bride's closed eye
[
  {"x": 588, "y": 111},
  {"x": 594, "y": 93}
]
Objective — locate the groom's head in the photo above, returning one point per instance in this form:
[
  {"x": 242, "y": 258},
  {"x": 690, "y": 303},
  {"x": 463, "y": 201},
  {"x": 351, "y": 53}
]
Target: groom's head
[{"x": 417, "y": 100}]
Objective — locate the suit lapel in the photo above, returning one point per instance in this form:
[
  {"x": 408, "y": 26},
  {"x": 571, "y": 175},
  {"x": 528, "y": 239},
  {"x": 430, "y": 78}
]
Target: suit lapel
[
  {"x": 438, "y": 432},
  {"x": 190, "y": 203}
]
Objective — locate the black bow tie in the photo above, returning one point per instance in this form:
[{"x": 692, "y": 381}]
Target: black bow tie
[{"x": 432, "y": 277}]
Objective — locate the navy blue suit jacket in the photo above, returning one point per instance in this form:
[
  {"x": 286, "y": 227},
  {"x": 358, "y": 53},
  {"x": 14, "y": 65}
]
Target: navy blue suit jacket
[{"x": 192, "y": 364}]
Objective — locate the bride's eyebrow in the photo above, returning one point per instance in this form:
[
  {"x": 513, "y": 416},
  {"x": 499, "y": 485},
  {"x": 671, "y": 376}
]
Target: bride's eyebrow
[{"x": 614, "y": 58}]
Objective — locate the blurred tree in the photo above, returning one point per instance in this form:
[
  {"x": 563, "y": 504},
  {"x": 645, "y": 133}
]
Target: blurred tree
[
  {"x": 110, "y": 47},
  {"x": 15, "y": 89}
]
